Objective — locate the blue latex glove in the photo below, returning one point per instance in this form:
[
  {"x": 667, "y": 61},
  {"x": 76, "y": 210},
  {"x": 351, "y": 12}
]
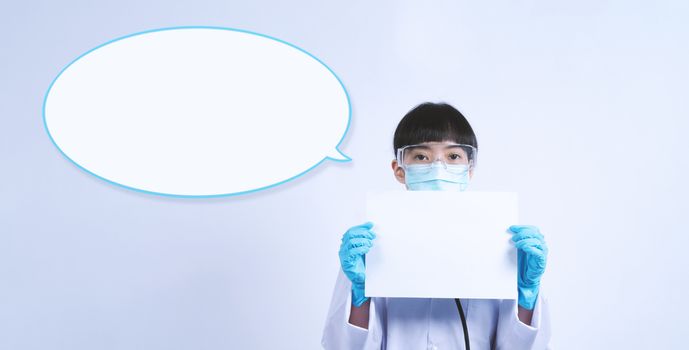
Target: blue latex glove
[
  {"x": 356, "y": 242},
  {"x": 532, "y": 253}
]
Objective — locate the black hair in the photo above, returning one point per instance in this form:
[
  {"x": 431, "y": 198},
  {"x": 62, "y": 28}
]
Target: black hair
[{"x": 430, "y": 122}]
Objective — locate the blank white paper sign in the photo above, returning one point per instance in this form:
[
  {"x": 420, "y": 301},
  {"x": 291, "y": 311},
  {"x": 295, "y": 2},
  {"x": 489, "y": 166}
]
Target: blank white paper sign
[{"x": 441, "y": 244}]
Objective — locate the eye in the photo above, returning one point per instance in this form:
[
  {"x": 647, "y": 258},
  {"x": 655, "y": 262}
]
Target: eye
[
  {"x": 455, "y": 156},
  {"x": 419, "y": 157}
]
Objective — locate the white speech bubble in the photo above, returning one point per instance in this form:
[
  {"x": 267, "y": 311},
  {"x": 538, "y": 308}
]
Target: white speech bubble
[{"x": 197, "y": 111}]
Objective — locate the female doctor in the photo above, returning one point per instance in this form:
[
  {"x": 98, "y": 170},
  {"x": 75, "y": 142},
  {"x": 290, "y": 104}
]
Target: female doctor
[{"x": 435, "y": 149}]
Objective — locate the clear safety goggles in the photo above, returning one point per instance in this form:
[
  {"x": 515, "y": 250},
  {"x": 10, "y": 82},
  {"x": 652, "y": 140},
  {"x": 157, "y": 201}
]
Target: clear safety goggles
[{"x": 454, "y": 157}]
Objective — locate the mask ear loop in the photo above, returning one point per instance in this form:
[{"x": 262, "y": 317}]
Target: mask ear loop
[
  {"x": 400, "y": 161},
  {"x": 474, "y": 157}
]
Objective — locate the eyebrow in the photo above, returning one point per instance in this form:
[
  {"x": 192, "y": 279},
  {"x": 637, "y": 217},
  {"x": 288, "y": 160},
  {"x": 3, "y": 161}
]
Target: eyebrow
[{"x": 428, "y": 147}]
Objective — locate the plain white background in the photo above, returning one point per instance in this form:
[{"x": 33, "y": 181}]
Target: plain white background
[{"x": 580, "y": 107}]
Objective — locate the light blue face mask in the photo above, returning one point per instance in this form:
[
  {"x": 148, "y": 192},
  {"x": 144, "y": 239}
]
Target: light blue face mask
[{"x": 436, "y": 177}]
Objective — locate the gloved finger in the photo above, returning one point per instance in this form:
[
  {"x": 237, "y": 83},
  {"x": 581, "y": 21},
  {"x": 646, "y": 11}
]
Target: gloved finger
[
  {"x": 358, "y": 231},
  {"x": 533, "y": 242},
  {"x": 357, "y": 238},
  {"x": 367, "y": 225},
  {"x": 529, "y": 246},
  {"x": 527, "y": 234},
  {"x": 520, "y": 228},
  {"x": 534, "y": 251},
  {"x": 358, "y": 242},
  {"x": 516, "y": 228},
  {"x": 347, "y": 246},
  {"x": 542, "y": 245},
  {"x": 357, "y": 252}
]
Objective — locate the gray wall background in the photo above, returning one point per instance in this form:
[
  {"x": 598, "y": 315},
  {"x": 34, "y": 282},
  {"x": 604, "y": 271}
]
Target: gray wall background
[{"x": 581, "y": 107}]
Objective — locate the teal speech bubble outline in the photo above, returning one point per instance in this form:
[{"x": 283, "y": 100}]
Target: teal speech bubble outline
[{"x": 337, "y": 157}]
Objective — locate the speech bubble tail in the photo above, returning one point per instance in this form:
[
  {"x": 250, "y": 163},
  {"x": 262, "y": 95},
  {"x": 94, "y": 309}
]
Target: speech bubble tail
[{"x": 338, "y": 156}]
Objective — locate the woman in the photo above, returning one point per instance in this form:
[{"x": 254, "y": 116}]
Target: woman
[{"x": 435, "y": 149}]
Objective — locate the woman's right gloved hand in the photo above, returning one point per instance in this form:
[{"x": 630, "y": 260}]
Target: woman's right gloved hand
[{"x": 356, "y": 242}]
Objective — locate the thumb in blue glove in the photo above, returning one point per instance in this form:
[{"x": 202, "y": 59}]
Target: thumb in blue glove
[
  {"x": 356, "y": 242},
  {"x": 532, "y": 253}
]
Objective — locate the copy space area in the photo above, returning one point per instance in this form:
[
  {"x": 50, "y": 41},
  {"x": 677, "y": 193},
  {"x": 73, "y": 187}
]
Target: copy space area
[{"x": 439, "y": 244}]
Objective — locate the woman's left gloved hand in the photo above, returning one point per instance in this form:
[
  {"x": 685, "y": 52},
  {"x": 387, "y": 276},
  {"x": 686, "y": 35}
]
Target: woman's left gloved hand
[{"x": 532, "y": 253}]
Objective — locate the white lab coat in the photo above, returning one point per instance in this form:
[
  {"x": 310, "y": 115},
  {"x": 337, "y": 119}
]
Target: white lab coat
[{"x": 433, "y": 324}]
